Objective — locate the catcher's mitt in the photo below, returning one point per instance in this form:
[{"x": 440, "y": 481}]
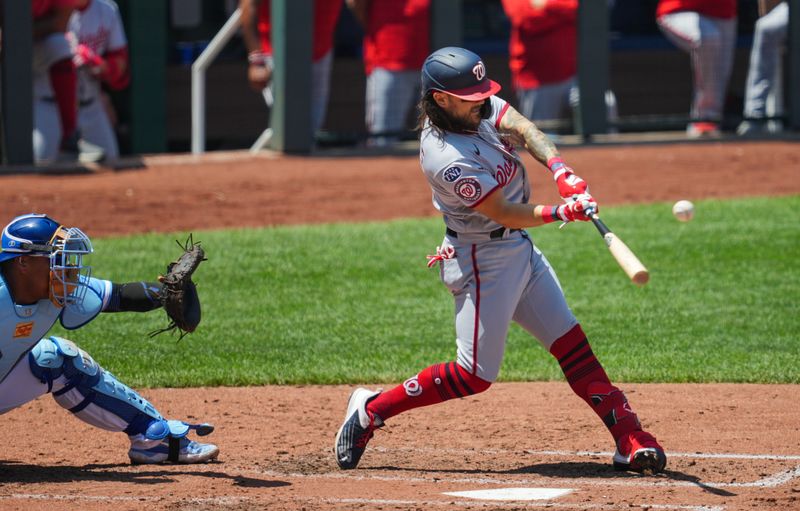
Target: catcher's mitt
[{"x": 178, "y": 293}]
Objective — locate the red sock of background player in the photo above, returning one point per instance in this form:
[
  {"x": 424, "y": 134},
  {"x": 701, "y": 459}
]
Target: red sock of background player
[
  {"x": 589, "y": 381},
  {"x": 65, "y": 87},
  {"x": 432, "y": 385}
]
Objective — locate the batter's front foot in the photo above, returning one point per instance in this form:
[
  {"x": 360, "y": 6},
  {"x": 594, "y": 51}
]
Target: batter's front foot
[{"x": 357, "y": 429}]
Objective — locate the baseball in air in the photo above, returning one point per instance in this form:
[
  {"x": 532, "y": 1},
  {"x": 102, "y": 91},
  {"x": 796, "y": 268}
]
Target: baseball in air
[{"x": 683, "y": 210}]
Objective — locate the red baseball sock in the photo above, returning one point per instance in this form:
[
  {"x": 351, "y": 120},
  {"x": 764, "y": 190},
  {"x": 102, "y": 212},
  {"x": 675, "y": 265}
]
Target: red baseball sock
[
  {"x": 65, "y": 87},
  {"x": 589, "y": 381},
  {"x": 432, "y": 385}
]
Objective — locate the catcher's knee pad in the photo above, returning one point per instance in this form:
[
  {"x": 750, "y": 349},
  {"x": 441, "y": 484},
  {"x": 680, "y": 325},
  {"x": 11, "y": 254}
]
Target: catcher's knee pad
[
  {"x": 91, "y": 393},
  {"x": 612, "y": 406}
]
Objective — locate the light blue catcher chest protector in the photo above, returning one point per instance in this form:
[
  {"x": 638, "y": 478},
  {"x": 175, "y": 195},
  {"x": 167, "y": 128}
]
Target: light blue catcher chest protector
[{"x": 90, "y": 392}]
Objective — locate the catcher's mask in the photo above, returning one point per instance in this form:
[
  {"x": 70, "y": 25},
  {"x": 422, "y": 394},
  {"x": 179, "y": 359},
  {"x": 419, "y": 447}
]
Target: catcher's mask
[{"x": 40, "y": 236}]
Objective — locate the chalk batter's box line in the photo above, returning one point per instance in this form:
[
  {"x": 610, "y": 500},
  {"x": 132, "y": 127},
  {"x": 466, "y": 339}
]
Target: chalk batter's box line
[{"x": 449, "y": 503}]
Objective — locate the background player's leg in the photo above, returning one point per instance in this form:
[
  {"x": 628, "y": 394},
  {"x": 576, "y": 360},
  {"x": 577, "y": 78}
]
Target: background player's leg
[
  {"x": 97, "y": 129},
  {"x": 389, "y": 96},
  {"x": 64, "y": 81},
  {"x": 768, "y": 39},
  {"x": 547, "y": 102},
  {"x": 712, "y": 62},
  {"x": 320, "y": 90},
  {"x": 46, "y": 130}
]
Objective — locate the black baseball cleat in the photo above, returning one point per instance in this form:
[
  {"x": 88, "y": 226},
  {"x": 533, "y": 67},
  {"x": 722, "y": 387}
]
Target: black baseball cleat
[
  {"x": 357, "y": 429},
  {"x": 640, "y": 452}
]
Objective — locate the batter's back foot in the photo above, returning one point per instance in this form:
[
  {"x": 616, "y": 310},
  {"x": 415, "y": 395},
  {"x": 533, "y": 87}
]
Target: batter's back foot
[{"x": 639, "y": 451}]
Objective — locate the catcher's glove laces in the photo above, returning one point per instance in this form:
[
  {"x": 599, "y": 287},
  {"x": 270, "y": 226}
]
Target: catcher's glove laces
[{"x": 178, "y": 293}]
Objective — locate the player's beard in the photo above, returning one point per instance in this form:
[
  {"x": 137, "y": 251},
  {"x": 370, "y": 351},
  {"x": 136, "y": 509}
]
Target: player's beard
[{"x": 443, "y": 121}]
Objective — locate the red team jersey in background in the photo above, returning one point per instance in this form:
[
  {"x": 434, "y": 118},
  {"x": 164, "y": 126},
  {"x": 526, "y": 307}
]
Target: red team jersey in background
[
  {"x": 393, "y": 44},
  {"x": 326, "y": 14},
  {"x": 543, "y": 44},
  {"x": 41, "y": 7},
  {"x": 724, "y": 9}
]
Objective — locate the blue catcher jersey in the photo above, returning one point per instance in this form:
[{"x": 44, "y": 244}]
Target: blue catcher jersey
[{"x": 22, "y": 326}]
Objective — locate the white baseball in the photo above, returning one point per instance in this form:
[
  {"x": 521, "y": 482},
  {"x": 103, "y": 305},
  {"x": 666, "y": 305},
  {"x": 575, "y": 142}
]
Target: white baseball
[{"x": 683, "y": 210}]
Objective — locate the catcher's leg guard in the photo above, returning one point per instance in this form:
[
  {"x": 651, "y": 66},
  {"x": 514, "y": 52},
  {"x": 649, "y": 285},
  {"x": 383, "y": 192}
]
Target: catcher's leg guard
[
  {"x": 84, "y": 388},
  {"x": 95, "y": 396}
]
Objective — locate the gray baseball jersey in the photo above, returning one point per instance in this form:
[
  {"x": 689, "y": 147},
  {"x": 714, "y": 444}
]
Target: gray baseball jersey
[{"x": 496, "y": 275}]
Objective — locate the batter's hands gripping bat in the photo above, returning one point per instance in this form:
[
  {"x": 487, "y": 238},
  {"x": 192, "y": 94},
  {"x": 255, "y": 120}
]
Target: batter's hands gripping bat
[{"x": 625, "y": 258}]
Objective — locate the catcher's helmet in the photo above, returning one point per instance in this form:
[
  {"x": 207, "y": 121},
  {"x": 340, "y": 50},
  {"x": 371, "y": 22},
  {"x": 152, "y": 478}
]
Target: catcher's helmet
[
  {"x": 41, "y": 236},
  {"x": 458, "y": 72}
]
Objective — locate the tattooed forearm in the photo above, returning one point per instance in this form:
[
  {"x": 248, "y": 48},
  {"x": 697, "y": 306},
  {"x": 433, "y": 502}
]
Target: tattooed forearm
[
  {"x": 537, "y": 143},
  {"x": 523, "y": 130}
]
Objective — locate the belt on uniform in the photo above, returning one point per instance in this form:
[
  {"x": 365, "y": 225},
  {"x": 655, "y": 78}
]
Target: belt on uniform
[
  {"x": 83, "y": 102},
  {"x": 495, "y": 234}
]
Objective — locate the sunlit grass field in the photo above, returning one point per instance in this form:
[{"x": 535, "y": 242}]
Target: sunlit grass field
[{"x": 349, "y": 303}]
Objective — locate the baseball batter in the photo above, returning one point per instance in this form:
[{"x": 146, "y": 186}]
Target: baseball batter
[
  {"x": 43, "y": 279},
  {"x": 490, "y": 264},
  {"x": 706, "y": 29}
]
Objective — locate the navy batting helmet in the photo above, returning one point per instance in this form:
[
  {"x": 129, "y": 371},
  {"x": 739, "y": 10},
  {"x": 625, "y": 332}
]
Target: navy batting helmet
[{"x": 458, "y": 72}]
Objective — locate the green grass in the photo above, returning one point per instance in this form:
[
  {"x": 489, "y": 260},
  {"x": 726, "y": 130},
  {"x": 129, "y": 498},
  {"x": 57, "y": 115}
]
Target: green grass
[{"x": 356, "y": 303}]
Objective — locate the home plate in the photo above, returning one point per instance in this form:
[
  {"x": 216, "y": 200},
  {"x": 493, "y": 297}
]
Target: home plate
[{"x": 512, "y": 493}]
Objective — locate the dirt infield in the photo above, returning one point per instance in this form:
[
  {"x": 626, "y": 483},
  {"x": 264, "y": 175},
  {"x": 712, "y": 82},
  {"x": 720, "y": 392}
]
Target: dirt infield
[{"x": 731, "y": 447}]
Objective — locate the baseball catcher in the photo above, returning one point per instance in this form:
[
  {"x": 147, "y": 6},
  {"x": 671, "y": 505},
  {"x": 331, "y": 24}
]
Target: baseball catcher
[
  {"x": 178, "y": 293},
  {"x": 44, "y": 280}
]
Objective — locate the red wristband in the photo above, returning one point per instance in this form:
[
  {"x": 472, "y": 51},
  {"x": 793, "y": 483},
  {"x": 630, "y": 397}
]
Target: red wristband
[
  {"x": 550, "y": 216},
  {"x": 555, "y": 163}
]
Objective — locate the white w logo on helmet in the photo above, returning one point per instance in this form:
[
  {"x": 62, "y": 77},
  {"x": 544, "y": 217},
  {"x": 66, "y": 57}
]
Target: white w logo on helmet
[{"x": 479, "y": 70}]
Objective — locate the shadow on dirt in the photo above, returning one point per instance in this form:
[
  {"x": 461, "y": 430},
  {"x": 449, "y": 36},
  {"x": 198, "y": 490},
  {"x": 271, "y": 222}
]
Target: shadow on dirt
[{"x": 21, "y": 473}]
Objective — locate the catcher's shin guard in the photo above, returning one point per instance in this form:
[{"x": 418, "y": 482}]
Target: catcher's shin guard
[{"x": 84, "y": 388}]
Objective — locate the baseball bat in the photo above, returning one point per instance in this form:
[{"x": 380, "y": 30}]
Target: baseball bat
[{"x": 624, "y": 256}]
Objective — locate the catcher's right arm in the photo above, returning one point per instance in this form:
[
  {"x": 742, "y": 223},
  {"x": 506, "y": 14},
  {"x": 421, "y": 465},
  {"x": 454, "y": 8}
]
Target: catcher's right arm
[{"x": 178, "y": 293}]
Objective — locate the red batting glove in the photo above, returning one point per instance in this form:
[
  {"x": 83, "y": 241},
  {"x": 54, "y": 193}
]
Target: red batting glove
[
  {"x": 568, "y": 183},
  {"x": 575, "y": 210},
  {"x": 85, "y": 56}
]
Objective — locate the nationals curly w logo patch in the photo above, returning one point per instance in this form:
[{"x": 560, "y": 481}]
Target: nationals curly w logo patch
[
  {"x": 468, "y": 189},
  {"x": 412, "y": 387}
]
